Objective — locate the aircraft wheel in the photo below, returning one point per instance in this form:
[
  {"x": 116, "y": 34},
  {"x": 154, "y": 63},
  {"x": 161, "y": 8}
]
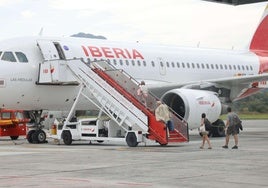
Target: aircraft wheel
[
  {"x": 41, "y": 136},
  {"x": 14, "y": 137},
  {"x": 38, "y": 136},
  {"x": 219, "y": 128},
  {"x": 30, "y": 136},
  {"x": 131, "y": 139},
  {"x": 67, "y": 137}
]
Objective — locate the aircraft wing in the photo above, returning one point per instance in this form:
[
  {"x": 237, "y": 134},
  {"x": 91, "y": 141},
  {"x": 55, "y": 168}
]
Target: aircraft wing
[{"x": 237, "y": 83}]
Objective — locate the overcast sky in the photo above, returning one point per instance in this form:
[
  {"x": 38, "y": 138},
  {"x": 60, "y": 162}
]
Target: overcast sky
[{"x": 169, "y": 22}]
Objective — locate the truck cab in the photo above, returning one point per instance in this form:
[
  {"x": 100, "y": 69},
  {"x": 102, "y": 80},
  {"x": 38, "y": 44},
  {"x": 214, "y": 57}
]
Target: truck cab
[{"x": 13, "y": 123}]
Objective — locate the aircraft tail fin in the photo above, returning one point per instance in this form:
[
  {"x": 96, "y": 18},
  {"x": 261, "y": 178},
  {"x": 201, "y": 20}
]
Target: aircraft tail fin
[{"x": 259, "y": 42}]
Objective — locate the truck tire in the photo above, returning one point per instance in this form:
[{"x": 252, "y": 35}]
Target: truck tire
[
  {"x": 67, "y": 137},
  {"x": 131, "y": 139}
]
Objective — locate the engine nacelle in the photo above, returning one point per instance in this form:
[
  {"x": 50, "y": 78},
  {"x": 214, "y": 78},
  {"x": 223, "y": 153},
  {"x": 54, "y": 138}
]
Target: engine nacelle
[{"x": 190, "y": 104}]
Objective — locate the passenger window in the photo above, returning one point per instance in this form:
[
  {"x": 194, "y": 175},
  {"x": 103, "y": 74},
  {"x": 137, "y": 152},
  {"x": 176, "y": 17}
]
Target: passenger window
[
  {"x": 188, "y": 65},
  {"x": 167, "y": 64},
  {"x": 8, "y": 56},
  {"x": 172, "y": 64},
  {"x": 115, "y": 63},
  {"x": 21, "y": 57},
  {"x": 178, "y": 64},
  {"x": 144, "y": 63},
  {"x": 0, "y": 54},
  {"x": 127, "y": 63},
  {"x": 153, "y": 63}
]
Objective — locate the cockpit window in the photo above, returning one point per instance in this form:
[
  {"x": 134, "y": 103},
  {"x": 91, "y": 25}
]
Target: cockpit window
[
  {"x": 8, "y": 56},
  {"x": 21, "y": 57}
]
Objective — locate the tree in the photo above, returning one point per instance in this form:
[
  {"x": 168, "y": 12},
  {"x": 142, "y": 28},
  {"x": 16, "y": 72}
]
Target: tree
[{"x": 255, "y": 103}]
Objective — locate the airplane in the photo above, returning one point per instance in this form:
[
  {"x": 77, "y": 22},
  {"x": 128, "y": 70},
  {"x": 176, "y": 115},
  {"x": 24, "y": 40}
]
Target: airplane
[{"x": 190, "y": 80}]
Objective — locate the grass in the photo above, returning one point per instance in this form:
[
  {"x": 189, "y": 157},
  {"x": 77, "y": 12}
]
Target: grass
[{"x": 249, "y": 116}]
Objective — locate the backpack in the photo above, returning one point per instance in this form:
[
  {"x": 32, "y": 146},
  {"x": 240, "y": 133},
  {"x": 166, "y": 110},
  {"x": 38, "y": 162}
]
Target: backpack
[
  {"x": 237, "y": 122},
  {"x": 208, "y": 125}
]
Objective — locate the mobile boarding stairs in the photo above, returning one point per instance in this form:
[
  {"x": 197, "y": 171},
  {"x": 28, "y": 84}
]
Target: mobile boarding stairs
[{"x": 114, "y": 92}]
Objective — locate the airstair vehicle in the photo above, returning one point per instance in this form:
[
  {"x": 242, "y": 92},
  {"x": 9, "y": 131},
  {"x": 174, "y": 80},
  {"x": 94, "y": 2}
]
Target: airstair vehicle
[{"x": 123, "y": 115}]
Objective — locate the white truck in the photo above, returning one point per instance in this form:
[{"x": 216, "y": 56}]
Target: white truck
[{"x": 95, "y": 129}]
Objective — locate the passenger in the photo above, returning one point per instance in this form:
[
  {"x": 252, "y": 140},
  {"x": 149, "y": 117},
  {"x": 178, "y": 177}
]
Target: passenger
[
  {"x": 204, "y": 132},
  {"x": 162, "y": 114},
  {"x": 143, "y": 92},
  {"x": 231, "y": 128}
]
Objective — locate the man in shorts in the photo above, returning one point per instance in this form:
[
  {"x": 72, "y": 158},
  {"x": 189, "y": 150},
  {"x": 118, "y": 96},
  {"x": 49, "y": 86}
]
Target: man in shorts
[{"x": 232, "y": 119}]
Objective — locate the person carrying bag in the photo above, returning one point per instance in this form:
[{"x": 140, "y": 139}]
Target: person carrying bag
[{"x": 204, "y": 132}]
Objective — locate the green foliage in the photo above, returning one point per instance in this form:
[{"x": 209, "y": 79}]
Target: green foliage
[
  {"x": 248, "y": 116},
  {"x": 257, "y": 103}
]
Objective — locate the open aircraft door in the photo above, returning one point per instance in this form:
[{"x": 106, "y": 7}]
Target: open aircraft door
[
  {"x": 54, "y": 70},
  {"x": 48, "y": 50}
]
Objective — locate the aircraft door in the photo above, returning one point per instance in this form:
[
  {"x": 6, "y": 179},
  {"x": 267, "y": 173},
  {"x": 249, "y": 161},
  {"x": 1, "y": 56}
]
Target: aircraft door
[
  {"x": 50, "y": 50},
  {"x": 162, "y": 66}
]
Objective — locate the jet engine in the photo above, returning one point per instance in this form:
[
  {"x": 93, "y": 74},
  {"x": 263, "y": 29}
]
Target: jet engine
[{"x": 190, "y": 104}]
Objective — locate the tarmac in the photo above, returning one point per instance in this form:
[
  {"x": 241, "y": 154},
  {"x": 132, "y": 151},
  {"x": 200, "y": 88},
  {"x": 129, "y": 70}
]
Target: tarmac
[{"x": 116, "y": 165}]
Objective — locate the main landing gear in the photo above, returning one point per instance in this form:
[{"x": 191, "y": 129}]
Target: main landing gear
[{"x": 35, "y": 134}]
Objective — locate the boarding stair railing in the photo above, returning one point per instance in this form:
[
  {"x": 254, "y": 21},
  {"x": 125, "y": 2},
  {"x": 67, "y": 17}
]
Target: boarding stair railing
[{"x": 128, "y": 87}]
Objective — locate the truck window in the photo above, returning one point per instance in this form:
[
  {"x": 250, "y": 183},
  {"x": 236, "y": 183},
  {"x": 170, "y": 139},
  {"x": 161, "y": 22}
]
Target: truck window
[
  {"x": 88, "y": 122},
  {"x": 6, "y": 115},
  {"x": 19, "y": 115}
]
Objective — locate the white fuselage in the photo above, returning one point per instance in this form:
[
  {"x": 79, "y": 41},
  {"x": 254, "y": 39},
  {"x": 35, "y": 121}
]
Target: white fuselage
[{"x": 154, "y": 64}]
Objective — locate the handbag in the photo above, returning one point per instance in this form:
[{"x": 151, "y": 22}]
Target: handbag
[{"x": 202, "y": 128}]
